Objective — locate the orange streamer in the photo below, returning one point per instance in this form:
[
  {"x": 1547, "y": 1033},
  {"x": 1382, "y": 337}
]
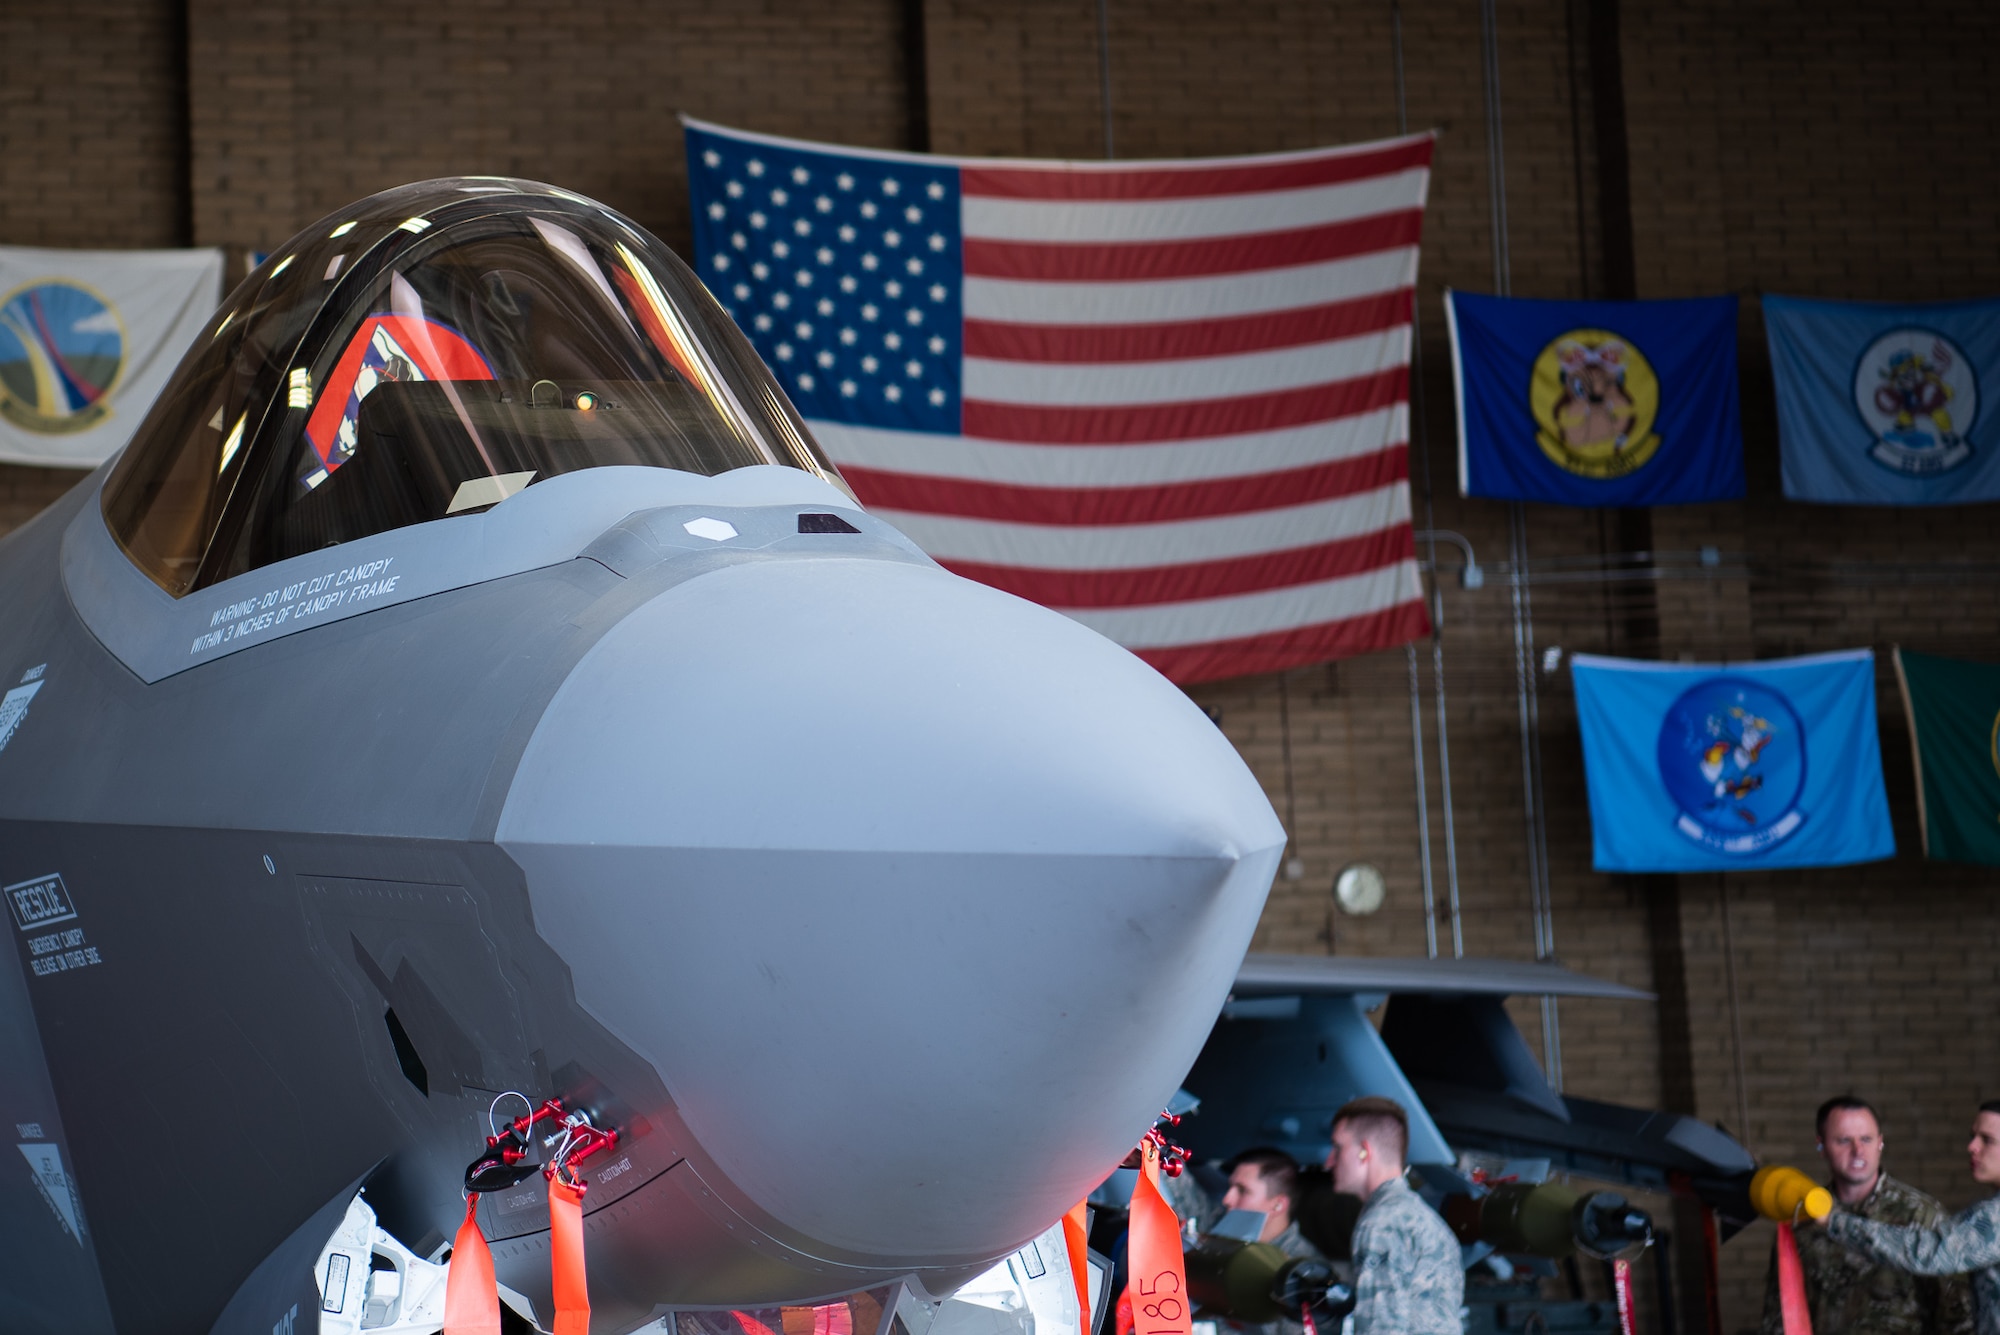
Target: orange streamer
[
  {"x": 471, "y": 1296},
  {"x": 1792, "y": 1284},
  {"x": 572, "y": 1293},
  {"x": 1076, "y": 1242},
  {"x": 1153, "y": 1251}
]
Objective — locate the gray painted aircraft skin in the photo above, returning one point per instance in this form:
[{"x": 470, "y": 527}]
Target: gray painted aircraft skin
[{"x": 877, "y": 910}]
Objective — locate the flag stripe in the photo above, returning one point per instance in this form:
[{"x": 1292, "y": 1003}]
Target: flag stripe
[
  {"x": 1074, "y": 589},
  {"x": 1150, "y": 504},
  {"x": 1144, "y": 546},
  {"x": 999, "y": 340},
  {"x": 1117, "y": 180},
  {"x": 1205, "y": 216},
  {"x": 1189, "y": 298},
  {"x": 1169, "y": 625},
  {"x": 880, "y": 450},
  {"x": 1123, "y": 384},
  {"x": 1188, "y": 420},
  {"x": 1169, "y": 399},
  {"x": 1097, "y": 262},
  {"x": 1276, "y": 652}
]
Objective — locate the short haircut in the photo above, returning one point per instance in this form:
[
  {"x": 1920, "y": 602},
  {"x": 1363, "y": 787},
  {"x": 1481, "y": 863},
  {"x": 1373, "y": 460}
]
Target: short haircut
[
  {"x": 1991, "y": 1105},
  {"x": 1278, "y": 1170},
  {"x": 1844, "y": 1103},
  {"x": 1377, "y": 1119}
]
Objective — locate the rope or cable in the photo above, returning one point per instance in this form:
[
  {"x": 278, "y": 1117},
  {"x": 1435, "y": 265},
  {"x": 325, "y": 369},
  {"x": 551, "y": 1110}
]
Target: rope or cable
[
  {"x": 1104, "y": 70},
  {"x": 1524, "y": 634},
  {"x": 1437, "y": 651}
]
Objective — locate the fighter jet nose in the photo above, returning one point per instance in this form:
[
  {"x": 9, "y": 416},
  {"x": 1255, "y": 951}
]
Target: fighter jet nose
[{"x": 921, "y": 899}]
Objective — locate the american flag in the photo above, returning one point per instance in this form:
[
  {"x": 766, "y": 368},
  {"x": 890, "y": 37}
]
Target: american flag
[{"x": 1169, "y": 399}]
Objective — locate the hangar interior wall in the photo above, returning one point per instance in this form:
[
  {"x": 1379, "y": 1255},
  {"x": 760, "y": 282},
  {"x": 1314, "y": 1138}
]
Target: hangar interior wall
[{"x": 1770, "y": 148}]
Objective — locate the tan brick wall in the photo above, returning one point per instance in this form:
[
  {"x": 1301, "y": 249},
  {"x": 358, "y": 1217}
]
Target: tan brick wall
[
  {"x": 1832, "y": 155},
  {"x": 299, "y": 109},
  {"x": 90, "y": 151}
]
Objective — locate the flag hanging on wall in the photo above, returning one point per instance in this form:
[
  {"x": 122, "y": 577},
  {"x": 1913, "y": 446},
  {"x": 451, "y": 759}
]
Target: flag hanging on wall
[
  {"x": 1620, "y": 403},
  {"x": 1954, "y": 711},
  {"x": 88, "y": 339},
  {"x": 1881, "y": 404},
  {"x": 1732, "y": 768},
  {"x": 1169, "y": 399}
]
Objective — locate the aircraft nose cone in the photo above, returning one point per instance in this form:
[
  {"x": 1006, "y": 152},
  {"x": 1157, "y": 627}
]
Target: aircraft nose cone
[{"x": 920, "y": 898}]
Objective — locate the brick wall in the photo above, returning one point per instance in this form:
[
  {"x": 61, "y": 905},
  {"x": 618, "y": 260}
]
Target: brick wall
[
  {"x": 91, "y": 117},
  {"x": 1834, "y": 155}
]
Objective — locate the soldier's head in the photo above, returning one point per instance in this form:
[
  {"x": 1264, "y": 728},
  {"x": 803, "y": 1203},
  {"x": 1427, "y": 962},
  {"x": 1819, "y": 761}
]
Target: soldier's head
[
  {"x": 1850, "y": 1138},
  {"x": 1985, "y": 1147},
  {"x": 1370, "y": 1138},
  {"x": 1267, "y": 1180}
]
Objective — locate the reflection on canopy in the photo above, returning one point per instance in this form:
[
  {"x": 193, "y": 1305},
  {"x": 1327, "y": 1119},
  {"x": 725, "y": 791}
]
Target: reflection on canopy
[
  {"x": 386, "y": 348},
  {"x": 432, "y": 351}
]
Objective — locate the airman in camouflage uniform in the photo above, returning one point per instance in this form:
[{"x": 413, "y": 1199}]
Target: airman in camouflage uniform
[
  {"x": 1850, "y": 1294},
  {"x": 1408, "y": 1279},
  {"x": 1968, "y": 1242},
  {"x": 1267, "y": 1180}
]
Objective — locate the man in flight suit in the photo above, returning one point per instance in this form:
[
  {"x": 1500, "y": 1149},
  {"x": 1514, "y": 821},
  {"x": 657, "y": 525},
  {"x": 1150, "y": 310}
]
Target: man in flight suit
[
  {"x": 1408, "y": 1279},
  {"x": 1849, "y": 1294}
]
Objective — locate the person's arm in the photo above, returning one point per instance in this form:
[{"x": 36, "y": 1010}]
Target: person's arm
[{"x": 1971, "y": 1241}]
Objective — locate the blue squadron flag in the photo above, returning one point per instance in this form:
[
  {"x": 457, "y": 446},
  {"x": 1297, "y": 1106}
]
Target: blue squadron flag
[
  {"x": 1619, "y": 403},
  {"x": 1744, "y": 767},
  {"x": 1880, "y": 404}
]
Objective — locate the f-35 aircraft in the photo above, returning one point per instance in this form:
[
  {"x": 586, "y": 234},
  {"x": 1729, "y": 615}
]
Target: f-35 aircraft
[{"x": 473, "y": 681}]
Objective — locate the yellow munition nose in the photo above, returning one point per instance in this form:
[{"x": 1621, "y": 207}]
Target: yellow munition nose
[{"x": 1779, "y": 1192}]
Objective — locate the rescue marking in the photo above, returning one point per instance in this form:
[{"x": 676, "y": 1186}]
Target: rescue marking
[
  {"x": 40, "y": 902},
  {"x": 60, "y": 951}
]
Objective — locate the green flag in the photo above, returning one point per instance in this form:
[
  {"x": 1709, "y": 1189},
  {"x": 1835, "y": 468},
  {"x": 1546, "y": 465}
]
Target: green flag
[{"x": 1954, "y": 710}]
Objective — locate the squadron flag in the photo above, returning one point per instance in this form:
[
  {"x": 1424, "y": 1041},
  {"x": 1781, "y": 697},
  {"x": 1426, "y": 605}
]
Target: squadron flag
[
  {"x": 1732, "y": 768},
  {"x": 1169, "y": 399},
  {"x": 1881, "y": 404},
  {"x": 1621, "y": 403},
  {"x": 1954, "y": 710},
  {"x": 88, "y": 339}
]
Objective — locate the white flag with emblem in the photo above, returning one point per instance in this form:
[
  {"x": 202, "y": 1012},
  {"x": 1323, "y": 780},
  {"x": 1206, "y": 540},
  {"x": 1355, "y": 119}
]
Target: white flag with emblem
[{"x": 88, "y": 339}]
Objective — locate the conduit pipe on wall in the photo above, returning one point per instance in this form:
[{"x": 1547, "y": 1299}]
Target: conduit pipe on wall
[{"x": 1524, "y": 633}]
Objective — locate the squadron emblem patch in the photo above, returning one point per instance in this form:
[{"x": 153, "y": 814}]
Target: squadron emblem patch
[
  {"x": 1918, "y": 394},
  {"x": 1732, "y": 754},
  {"x": 1594, "y": 398},
  {"x": 62, "y": 347}
]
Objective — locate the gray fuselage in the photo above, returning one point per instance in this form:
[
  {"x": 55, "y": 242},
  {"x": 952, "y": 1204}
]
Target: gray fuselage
[{"x": 877, "y": 910}]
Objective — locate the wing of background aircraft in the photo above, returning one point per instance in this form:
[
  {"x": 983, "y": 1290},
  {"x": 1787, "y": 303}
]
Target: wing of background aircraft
[{"x": 1299, "y": 1037}]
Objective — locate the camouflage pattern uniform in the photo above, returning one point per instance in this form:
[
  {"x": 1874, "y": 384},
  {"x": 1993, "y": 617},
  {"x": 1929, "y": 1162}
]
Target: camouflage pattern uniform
[
  {"x": 1968, "y": 1242},
  {"x": 1407, "y": 1275},
  {"x": 1849, "y": 1294}
]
